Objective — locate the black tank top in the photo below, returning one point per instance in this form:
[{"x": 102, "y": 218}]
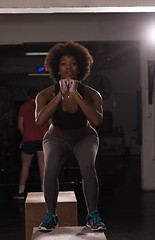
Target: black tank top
[{"x": 67, "y": 120}]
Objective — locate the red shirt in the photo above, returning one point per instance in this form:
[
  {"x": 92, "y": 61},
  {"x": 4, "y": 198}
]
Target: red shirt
[{"x": 31, "y": 130}]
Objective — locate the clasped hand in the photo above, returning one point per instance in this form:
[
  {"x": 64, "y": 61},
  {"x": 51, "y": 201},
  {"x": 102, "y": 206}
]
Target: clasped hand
[{"x": 68, "y": 85}]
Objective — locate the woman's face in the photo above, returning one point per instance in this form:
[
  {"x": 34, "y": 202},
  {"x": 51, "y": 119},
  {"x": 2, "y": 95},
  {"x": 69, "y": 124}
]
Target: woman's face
[{"x": 68, "y": 67}]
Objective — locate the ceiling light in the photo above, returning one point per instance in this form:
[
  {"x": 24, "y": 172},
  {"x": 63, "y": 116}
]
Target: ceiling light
[
  {"x": 36, "y": 53},
  {"x": 38, "y": 74}
]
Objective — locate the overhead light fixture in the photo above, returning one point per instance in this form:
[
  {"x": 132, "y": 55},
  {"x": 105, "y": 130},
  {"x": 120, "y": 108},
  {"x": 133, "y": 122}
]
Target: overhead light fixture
[
  {"x": 104, "y": 9},
  {"x": 36, "y": 53},
  {"x": 38, "y": 74}
]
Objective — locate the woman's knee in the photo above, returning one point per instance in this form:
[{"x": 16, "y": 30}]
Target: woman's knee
[
  {"x": 89, "y": 173},
  {"x": 48, "y": 178}
]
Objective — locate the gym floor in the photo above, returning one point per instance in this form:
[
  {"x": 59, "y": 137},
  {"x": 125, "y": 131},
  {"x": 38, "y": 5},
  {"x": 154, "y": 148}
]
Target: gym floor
[{"x": 127, "y": 211}]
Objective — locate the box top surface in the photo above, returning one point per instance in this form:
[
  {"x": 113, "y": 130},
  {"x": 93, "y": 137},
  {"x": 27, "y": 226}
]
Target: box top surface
[
  {"x": 67, "y": 233},
  {"x": 37, "y": 197}
]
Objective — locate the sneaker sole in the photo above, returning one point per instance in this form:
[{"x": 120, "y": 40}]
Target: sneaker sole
[
  {"x": 43, "y": 229},
  {"x": 96, "y": 229}
]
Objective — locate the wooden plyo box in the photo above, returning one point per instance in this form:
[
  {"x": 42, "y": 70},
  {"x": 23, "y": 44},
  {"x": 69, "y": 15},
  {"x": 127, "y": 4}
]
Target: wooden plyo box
[
  {"x": 35, "y": 210},
  {"x": 68, "y": 233}
]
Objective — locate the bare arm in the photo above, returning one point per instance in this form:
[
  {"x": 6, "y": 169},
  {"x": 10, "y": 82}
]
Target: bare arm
[
  {"x": 47, "y": 103},
  {"x": 44, "y": 110}
]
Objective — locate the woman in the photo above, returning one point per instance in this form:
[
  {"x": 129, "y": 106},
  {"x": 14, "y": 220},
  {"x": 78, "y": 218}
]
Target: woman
[{"x": 74, "y": 108}]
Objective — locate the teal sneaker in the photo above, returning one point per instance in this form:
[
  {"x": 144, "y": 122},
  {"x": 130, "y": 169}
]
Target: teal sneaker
[
  {"x": 94, "y": 221},
  {"x": 49, "y": 223}
]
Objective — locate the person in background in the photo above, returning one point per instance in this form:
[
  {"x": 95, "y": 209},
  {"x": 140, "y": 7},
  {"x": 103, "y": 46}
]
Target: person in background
[
  {"x": 75, "y": 110},
  {"x": 32, "y": 136}
]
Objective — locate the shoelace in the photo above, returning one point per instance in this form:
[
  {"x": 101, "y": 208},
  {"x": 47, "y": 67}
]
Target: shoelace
[
  {"x": 95, "y": 217},
  {"x": 49, "y": 217}
]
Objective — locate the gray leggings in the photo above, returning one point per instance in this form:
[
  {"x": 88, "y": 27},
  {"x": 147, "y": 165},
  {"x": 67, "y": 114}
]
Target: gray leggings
[{"x": 55, "y": 152}]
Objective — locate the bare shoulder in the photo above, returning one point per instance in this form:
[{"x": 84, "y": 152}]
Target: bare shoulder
[
  {"x": 46, "y": 94},
  {"x": 91, "y": 93}
]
